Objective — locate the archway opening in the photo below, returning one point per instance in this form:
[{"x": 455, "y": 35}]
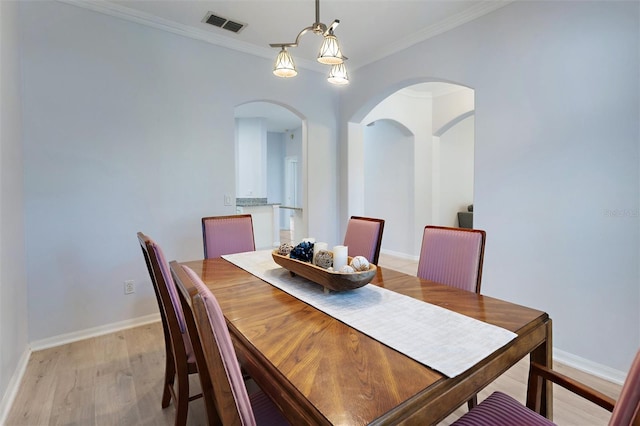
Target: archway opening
[
  {"x": 431, "y": 150},
  {"x": 270, "y": 170}
]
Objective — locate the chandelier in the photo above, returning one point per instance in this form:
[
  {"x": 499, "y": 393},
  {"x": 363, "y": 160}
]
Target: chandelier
[{"x": 330, "y": 53}]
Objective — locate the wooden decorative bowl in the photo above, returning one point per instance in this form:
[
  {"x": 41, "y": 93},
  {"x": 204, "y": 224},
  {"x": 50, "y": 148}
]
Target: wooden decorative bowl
[{"x": 332, "y": 280}]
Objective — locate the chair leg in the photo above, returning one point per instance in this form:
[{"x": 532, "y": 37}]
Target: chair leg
[
  {"x": 169, "y": 377},
  {"x": 472, "y": 402},
  {"x": 182, "y": 397}
]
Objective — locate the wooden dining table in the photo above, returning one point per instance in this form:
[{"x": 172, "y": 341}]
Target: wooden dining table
[{"x": 320, "y": 371}]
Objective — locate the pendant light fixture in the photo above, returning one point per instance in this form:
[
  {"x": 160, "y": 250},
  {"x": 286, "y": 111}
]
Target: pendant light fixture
[
  {"x": 330, "y": 52},
  {"x": 284, "y": 66},
  {"x": 338, "y": 74}
]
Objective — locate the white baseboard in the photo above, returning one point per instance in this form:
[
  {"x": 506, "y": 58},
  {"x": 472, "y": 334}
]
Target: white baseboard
[
  {"x": 598, "y": 370},
  {"x": 92, "y": 332},
  {"x": 13, "y": 386}
]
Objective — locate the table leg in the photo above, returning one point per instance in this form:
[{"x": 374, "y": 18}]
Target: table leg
[{"x": 540, "y": 395}]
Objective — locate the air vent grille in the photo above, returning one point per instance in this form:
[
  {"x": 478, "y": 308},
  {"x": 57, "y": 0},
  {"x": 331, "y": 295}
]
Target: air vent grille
[{"x": 220, "y": 22}]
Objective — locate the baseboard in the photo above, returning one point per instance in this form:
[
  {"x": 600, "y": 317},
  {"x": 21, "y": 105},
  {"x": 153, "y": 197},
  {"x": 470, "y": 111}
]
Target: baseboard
[
  {"x": 400, "y": 255},
  {"x": 92, "y": 332},
  {"x": 590, "y": 367},
  {"x": 13, "y": 386}
]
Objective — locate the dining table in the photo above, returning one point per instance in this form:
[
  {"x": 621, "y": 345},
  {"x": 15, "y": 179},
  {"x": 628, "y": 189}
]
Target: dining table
[{"x": 320, "y": 370}]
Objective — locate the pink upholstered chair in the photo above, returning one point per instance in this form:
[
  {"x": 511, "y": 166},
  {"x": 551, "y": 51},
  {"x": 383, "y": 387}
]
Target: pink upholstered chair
[
  {"x": 180, "y": 357},
  {"x": 502, "y": 410},
  {"x": 227, "y": 235},
  {"x": 233, "y": 404},
  {"x": 452, "y": 256},
  {"x": 364, "y": 237}
]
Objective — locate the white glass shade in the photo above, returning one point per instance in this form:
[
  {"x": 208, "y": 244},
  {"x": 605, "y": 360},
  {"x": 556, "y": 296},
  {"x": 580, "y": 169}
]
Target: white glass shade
[
  {"x": 338, "y": 74},
  {"x": 330, "y": 53},
  {"x": 284, "y": 66}
]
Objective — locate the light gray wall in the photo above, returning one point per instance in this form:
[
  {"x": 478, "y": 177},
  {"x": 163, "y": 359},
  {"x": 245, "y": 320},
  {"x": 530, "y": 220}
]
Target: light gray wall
[
  {"x": 13, "y": 279},
  {"x": 556, "y": 159},
  {"x": 388, "y": 182},
  {"x": 275, "y": 166},
  {"x": 293, "y": 148},
  {"x": 128, "y": 128},
  {"x": 456, "y": 171}
]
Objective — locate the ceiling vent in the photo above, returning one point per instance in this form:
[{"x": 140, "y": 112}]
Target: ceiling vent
[{"x": 220, "y": 22}]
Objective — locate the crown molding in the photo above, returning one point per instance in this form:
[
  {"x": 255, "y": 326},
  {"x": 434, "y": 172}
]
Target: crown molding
[
  {"x": 132, "y": 15},
  {"x": 142, "y": 18},
  {"x": 480, "y": 9}
]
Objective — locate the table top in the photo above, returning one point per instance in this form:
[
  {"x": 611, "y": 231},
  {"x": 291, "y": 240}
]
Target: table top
[{"x": 321, "y": 371}]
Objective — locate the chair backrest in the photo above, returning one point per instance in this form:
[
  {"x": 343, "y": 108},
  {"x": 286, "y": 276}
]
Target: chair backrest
[
  {"x": 168, "y": 300},
  {"x": 229, "y": 391},
  {"x": 626, "y": 411},
  {"x": 452, "y": 256},
  {"x": 364, "y": 237},
  {"x": 227, "y": 235}
]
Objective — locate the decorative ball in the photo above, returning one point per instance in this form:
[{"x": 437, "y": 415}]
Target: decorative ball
[
  {"x": 360, "y": 263},
  {"x": 285, "y": 249},
  {"x": 302, "y": 252},
  {"x": 346, "y": 269},
  {"x": 324, "y": 259}
]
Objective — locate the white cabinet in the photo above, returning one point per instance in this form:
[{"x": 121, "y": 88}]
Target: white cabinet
[{"x": 266, "y": 229}]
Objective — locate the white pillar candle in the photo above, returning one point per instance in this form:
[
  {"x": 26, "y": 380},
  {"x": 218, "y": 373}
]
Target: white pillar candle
[
  {"x": 340, "y": 254},
  {"x": 316, "y": 248}
]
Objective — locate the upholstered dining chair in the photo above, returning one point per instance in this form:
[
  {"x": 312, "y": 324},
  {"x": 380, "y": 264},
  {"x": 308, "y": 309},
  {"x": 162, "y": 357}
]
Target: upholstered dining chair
[
  {"x": 454, "y": 257},
  {"x": 233, "y": 404},
  {"x": 180, "y": 356},
  {"x": 500, "y": 409},
  {"x": 227, "y": 235},
  {"x": 364, "y": 237}
]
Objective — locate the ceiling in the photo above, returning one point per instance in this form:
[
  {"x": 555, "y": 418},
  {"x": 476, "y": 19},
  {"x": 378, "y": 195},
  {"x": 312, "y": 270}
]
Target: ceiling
[{"x": 368, "y": 30}]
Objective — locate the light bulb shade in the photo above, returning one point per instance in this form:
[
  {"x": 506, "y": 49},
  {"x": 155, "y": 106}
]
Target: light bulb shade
[
  {"x": 330, "y": 53},
  {"x": 284, "y": 66},
  {"x": 338, "y": 74}
]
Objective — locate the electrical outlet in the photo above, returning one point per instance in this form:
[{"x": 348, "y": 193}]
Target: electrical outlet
[{"x": 129, "y": 287}]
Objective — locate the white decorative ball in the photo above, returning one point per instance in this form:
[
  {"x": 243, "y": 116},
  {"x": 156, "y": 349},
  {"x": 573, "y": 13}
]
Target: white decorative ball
[
  {"x": 360, "y": 263},
  {"x": 346, "y": 269}
]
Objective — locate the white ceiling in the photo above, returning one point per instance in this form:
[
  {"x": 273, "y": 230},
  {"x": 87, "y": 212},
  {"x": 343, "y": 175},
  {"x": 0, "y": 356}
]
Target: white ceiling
[{"x": 368, "y": 30}]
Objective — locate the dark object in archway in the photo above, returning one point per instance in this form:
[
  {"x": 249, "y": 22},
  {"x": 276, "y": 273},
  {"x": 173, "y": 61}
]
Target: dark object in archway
[{"x": 465, "y": 219}]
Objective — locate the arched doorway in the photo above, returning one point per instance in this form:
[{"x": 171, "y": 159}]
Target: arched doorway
[
  {"x": 270, "y": 140},
  {"x": 428, "y": 113}
]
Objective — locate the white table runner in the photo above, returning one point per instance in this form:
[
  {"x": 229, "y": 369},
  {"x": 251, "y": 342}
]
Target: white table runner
[{"x": 436, "y": 337}]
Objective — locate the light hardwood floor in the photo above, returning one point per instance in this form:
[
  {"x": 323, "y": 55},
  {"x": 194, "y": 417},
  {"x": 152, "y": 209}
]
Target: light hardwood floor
[{"x": 116, "y": 379}]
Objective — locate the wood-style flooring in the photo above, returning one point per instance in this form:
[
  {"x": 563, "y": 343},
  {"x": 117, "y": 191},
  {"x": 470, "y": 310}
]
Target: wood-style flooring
[{"x": 116, "y": 379}]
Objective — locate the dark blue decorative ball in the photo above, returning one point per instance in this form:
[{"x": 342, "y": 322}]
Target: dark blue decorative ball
[{"x": 302, "y": 252}]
